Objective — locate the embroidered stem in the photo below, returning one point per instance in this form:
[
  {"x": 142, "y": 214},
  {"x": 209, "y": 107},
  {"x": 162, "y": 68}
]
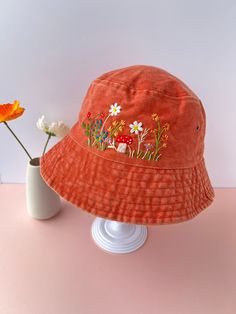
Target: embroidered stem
[
  {"x": 145, "y": 154},
  {"x": 158, "y": 157},
  {"x": 90, "y": 133},
  {"x": 139, "y": 154},
  {"x": 150, "y": 157},
  {"x": 130, "y": 151},
  {"x": 105, "y": 123},
  {"x": 90, "y": 129},
  {"x": 141, "y": 138},
  {"x": 138, "y": 145},
  {"x": 157, "y": 136}
]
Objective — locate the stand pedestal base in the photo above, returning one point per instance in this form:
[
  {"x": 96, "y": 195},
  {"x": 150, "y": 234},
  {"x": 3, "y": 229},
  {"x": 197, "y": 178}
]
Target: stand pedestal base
[{"x": 117, "y": 237}]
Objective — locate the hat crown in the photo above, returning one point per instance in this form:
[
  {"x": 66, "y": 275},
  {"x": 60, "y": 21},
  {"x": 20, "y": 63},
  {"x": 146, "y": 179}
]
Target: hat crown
[
  {"x": 148, "y": 78},
  {"x": 165, "y": 119}
]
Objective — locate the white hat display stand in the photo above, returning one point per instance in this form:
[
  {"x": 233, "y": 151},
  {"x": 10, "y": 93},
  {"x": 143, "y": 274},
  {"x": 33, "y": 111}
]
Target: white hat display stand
[{"x": 118, "y": 237}]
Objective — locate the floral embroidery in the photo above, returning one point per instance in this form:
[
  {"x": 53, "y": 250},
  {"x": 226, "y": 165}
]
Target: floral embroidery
[
  {"x": 115, "y": 109},
  {"x": 136, "y": 127},
  {"x": 104, "y": 136},
  {"x": 116, "y": 127}
]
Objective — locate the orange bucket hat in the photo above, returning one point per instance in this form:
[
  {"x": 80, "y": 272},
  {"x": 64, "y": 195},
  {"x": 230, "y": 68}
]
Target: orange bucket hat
[{"x": 135, "y": 154}]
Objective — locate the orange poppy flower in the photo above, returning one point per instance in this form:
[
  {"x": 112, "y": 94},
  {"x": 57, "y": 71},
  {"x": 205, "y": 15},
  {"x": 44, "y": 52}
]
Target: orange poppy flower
[{"x": 10, "y": 111}]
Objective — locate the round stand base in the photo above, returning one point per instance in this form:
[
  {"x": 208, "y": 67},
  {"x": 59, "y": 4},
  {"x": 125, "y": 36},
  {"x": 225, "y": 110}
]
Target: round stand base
[{"x": 117, "y": 237}]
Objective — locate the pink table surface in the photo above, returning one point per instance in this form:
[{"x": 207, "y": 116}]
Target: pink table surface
[{"x": 54, "y": 267}]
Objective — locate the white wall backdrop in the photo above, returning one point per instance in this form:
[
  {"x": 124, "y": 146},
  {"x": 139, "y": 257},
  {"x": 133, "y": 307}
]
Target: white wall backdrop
[{"x": 50, "y": 50}]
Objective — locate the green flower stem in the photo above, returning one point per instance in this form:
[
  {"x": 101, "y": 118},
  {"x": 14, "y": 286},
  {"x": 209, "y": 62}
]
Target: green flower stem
[
  {"x": 158, "y": 137},
  {"x": 90, "y": 132},
  {"x": 92, "y": 120},
  {"x": 150, "y": 156},
  {"x": 17, "y": 139},
  {"x": 156, "y": 142},
  {"x": 105, "y": 123},
  {"x": 46, "y": 144}
]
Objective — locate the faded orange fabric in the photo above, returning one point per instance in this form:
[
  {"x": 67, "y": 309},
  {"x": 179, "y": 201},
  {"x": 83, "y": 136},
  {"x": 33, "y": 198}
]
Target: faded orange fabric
[{"x": 113, "y": 185}]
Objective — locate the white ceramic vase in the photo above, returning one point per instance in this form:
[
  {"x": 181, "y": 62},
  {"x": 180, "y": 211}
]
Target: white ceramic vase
[{"x": 41, "y": 201}]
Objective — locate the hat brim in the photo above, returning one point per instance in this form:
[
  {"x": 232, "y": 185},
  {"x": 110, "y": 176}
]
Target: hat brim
[{"x": 125, "y": 193}]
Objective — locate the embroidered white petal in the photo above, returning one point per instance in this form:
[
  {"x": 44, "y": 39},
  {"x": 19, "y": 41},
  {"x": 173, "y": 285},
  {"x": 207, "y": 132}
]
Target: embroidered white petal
[
  {"x": 115, "y": 109},
  {"x": 136, "y": 127},
  {"x": 140, "y": 128}
]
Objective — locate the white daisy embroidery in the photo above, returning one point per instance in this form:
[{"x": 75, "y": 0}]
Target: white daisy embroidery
[
  {"x": 136, "y": 127},
  {"x": 115, "y": 109}
]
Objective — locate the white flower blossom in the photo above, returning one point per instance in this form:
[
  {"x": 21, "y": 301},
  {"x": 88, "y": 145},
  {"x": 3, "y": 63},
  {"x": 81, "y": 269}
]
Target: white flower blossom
[
  {"x": 115, "y": 109},
  {"x": 58, "y": 129},
  {"x": 42, "y": 124},
  {"x": 136, "y": 127}
]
